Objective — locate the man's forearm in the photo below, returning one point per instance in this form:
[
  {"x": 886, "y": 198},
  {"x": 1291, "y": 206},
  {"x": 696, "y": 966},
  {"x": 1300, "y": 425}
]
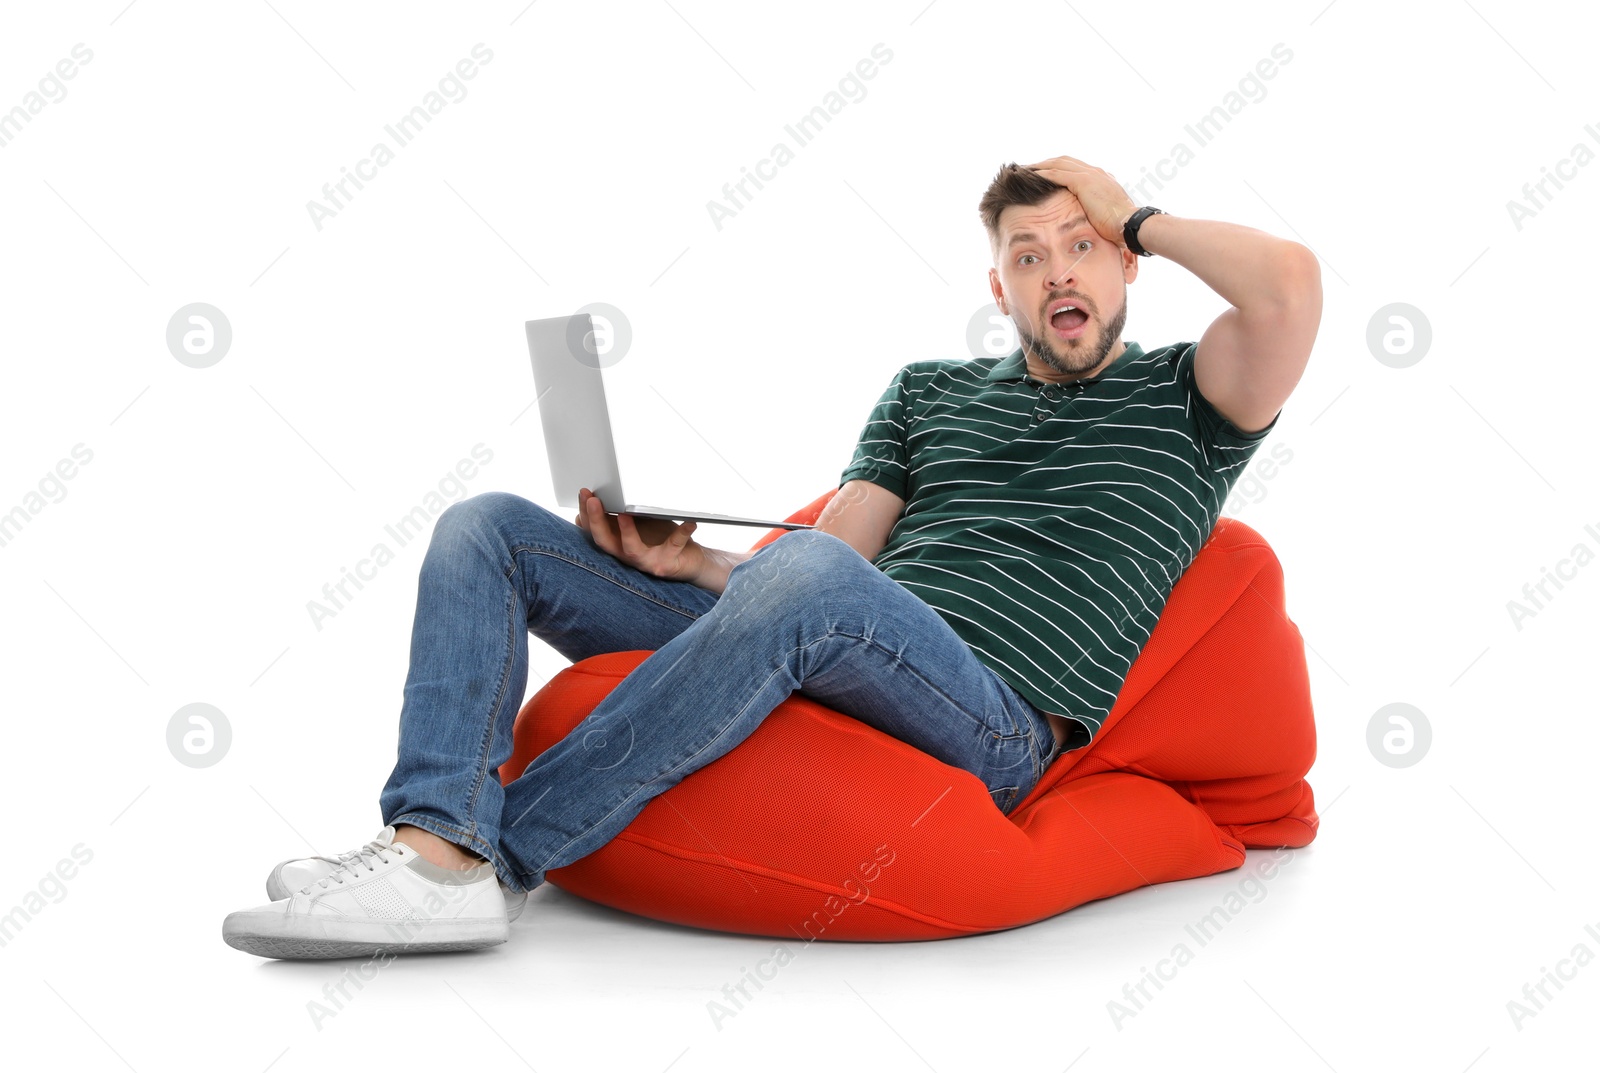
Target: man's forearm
[
  {"x": 714, "y": 577},
  {"x": 1249, "y": 268}
]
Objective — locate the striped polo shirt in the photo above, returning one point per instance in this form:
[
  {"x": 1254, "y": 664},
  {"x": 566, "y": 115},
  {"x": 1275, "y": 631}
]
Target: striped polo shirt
[{"x": 1047, "y": 523}]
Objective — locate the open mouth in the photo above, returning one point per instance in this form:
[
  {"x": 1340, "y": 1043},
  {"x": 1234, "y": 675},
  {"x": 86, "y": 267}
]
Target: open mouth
[{"x": 1069, "y": 322}]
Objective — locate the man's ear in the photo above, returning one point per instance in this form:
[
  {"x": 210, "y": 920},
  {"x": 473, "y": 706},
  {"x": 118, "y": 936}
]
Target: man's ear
[
  {"x": 1130, "y": 265},
  {"x": 997, "y": 289}
]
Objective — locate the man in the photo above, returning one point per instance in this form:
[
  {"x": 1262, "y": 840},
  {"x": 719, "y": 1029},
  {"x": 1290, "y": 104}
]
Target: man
[{"x": 998, "y": 552}]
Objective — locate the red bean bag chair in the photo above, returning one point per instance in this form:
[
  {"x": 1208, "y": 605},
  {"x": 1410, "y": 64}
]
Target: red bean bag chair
[{"x": 818, "y": 826}]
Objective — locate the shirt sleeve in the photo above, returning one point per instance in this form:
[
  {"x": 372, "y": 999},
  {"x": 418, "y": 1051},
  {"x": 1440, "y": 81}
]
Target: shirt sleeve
[
  {"x": 1222, "y": 439},
  {"x": 880, "y": 455}
]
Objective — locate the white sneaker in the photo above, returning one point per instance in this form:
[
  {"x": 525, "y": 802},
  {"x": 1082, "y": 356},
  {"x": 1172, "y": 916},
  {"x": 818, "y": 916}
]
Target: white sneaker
[
  {"x": 297, "y": 872},
  {"x": 380, "y": 897}
]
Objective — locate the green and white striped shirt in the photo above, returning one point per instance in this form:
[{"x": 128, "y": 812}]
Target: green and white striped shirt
[{"x": 1047, "y": 523}]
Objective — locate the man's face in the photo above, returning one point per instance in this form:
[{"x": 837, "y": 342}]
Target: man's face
[{"x": 1049, "y": 253}]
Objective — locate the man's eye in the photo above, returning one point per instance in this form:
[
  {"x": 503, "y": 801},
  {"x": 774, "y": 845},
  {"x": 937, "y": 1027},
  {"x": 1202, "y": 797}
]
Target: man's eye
[
  {"x": 1084, "y": 242},
  {"x": 1024, "y": 257}
]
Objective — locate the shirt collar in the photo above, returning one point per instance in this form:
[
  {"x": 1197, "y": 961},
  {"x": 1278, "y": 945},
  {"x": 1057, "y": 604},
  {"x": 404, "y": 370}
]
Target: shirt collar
[{"x": 1015, "y": 367}]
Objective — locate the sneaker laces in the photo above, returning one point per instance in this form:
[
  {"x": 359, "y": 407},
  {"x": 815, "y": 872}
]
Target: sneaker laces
[{"x": 352, "y": 861}]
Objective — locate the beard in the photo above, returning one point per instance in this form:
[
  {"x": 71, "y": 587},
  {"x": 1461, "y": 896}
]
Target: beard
[{"x": 1074, "y": 357}]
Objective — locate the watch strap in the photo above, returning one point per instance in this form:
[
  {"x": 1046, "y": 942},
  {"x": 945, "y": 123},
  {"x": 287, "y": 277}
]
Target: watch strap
[{"x": 1130, "y": 229}]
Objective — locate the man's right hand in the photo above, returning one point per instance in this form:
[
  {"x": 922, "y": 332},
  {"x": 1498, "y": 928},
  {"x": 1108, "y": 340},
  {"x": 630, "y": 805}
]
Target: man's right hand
[{"x": 657, "y": 546}]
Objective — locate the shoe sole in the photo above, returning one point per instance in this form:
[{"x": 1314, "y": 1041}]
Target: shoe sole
[
  {"x": 288, "y": 949},
  {"x": 266, "y": 936}
]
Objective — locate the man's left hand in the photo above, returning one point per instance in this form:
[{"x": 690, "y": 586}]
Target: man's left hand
[{"x": 1104, "y": 201}]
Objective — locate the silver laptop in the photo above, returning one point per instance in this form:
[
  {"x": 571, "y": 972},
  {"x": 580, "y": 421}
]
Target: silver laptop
[{"x": 577, "y": 425}]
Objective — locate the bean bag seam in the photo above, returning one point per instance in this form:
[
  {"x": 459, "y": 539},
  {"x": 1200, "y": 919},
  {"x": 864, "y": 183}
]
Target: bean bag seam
[
  {"x": 722, "y": 859},
  {"x": 1238, "y": 830}
]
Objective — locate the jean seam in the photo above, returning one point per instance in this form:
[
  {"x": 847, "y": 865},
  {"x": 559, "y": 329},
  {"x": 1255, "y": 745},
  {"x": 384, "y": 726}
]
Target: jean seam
[
  {"x": 1033, "y": 754},
  {"x": 931, "y": 686},
  {"x": 486, "y": 745},
  {"x": 1050, "y": 752},
  {"x": 620, "y": 582}
]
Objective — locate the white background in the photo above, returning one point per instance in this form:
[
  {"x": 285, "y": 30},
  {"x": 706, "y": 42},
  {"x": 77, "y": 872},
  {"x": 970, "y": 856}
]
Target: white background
[{"x": 371, "y": 355}]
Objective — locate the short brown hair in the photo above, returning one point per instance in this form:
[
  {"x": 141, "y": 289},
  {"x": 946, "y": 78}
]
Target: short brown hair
[{"x": 1013, "y": 185}]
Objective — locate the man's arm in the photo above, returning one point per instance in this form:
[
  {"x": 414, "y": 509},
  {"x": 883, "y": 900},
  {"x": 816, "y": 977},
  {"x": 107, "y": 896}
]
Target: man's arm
[
  {"x": 1252, "y": 356},
  {"x": 714, "y": 575},
  {"x": 860, "y": 513}
]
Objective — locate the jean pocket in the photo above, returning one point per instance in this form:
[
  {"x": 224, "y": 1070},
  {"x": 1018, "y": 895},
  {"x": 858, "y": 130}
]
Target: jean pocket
[
  {"x": 1052, "y": 751},
  {"x": 1004, "y": 797}
]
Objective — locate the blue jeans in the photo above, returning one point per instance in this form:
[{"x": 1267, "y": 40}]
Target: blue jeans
[{"x": 806, "y": 613}]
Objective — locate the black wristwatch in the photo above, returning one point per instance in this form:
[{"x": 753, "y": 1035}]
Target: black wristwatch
[{"x": 1130, "y": 230}]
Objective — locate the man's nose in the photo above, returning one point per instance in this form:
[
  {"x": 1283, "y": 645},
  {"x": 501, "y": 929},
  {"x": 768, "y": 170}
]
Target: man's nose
[{"x": 1063, "y": 272}]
